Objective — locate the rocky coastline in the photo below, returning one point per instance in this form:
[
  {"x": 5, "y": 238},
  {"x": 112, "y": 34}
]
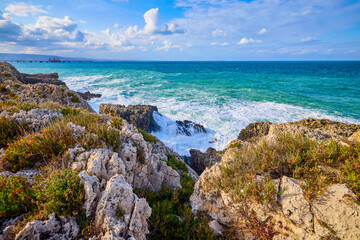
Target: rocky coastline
[{"x": 67, "y": 172}]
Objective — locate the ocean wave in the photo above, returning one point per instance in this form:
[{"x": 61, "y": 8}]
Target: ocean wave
[{"x": 222, "y": 116}]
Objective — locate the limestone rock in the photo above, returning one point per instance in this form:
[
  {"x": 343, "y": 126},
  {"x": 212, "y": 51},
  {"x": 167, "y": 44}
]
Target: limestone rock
[
  {"x": 36, "y": 118},
  {"x": 52, "y": 229},
  {"x": 92, "y": 190},
  {"x": 337, "y": 211},
  {"x": 141, "y": 116},
  {"x": 118, "y": 194},
  {"x": 104, "y": 164},
  {"x": 216, "y": 227}
]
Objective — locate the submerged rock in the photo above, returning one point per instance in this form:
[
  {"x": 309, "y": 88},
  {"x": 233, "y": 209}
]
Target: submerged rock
[{"x": 189, "y": 128}]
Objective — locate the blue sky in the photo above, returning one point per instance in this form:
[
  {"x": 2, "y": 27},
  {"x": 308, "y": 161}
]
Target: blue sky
[{"x": 183, "y": 29}]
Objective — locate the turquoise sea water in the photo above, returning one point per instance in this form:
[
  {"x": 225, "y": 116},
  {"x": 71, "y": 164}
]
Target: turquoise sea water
[{"x": 223, "y": 96}]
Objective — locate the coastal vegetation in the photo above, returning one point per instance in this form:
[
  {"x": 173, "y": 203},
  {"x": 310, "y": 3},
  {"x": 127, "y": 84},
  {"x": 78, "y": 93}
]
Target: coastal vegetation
[{"x": 317, "y": 165}]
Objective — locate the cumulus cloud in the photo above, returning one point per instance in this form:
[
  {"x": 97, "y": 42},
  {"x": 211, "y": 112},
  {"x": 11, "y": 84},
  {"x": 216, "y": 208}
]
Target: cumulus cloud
[
  {"x": 246, "y": 41},
  {"x": 152, "y": 18},
  {"x": 116, "y": 25},
  {"x": 23, "y": 9},
  {"x": 262, "y": 31}
]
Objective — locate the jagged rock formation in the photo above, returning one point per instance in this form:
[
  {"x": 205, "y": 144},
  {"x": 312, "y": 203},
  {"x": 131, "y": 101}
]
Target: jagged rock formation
[
  {"x": 200, "y": 161},
  {"x": 141, "y": 116},
  {"x": 88, "y": 95},
  {"x": 189, "y": 128},
  {"x": 335, "y": 214}
]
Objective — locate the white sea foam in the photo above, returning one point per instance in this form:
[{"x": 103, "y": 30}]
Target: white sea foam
[{"x": 222, "y": 117}]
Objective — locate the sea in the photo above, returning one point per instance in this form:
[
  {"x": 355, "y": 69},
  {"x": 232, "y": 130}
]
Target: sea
[{"x": 222, "y": 96}]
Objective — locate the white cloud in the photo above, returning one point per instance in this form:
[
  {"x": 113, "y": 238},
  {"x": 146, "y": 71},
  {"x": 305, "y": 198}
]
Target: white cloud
[
  {"x": 262, "y": 31},
  {"x": 219, "y": 44},
  {"x": 309, "y": 40},
  {"x": 218, "y": 32},
  {"x": 116, "y": 25},
  {"x": 22, "y": 9},
  {"x": 82, "y": 21},
  {"x": 167, "y": 46},
  {"x": 151, "y": 19},
  {"x": 246, "y": 41},
  {"x": 106, "y": 31}
]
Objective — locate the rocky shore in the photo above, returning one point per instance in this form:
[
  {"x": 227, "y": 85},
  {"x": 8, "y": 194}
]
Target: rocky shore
[{"x": 67, "y": 172}]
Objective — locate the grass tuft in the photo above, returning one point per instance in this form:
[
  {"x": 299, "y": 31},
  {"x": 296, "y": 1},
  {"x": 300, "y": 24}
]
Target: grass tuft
[{"x": 147, "y": 136}]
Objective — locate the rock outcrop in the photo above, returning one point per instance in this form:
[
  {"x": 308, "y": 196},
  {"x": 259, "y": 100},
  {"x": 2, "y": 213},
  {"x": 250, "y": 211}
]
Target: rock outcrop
[
  {"x": 49, "y": 78},
  {"x": 335, "y": 214},
  {"x": 199, "y": 161},
  {"x": 316, "y": 129},
  {"x": 15, "y": 87},
  {"x": 141, "y": 116}
]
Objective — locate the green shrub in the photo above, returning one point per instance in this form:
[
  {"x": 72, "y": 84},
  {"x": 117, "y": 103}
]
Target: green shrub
[
  {"x": 119, "y": 212},
  {"x": 176, "y": 165},
  {"x": 51, "y": 141},
  {"x": 15, "y": 196},
  {"x": 117, "y": 122},
  {"x": 60, "y": 192},
  {"x": 9, "y": 130},
  {"x": 27, "y": 106},
  {"x": 75, "y": 99},
  {"x": 6, "y": 74},
  {"x": 147, "y": 136}
]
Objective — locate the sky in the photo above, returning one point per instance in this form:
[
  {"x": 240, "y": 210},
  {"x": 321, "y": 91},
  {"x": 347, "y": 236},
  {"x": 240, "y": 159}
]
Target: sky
[{"x": 183, "y": 30}]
